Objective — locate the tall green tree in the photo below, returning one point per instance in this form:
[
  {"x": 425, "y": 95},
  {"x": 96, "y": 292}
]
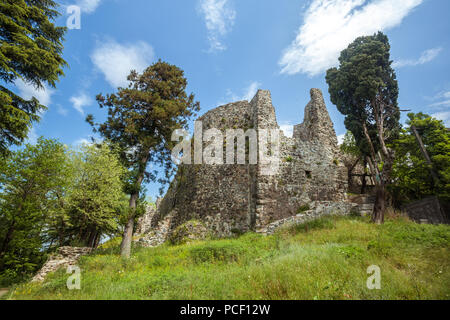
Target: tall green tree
[
  {"x": 30, "y": 50},
  {"x": 141, "y": 119},
  {"x": 364, "y": 88},
  {"x": 412, "y": 173},
  {"x": 29, "y": 179},
  {"x": 96, "y": 196}
]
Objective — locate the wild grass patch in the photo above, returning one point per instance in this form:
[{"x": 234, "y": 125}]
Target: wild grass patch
[{"x": 323, "y": 259}]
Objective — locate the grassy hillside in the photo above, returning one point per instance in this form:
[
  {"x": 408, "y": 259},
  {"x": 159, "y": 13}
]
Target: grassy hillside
[{"x": 324, "y": 259}]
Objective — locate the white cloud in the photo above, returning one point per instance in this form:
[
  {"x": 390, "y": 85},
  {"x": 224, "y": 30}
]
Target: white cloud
[
  {"x": 82, "y": 141},
  {"x": 219, "y": 19},
  {"x": 441, "y": 101},
  {"x": 329, "y": 26},
  {"x": 341, "y": 138},
  {"x": 61, "y": 110},
  {"x": 251, "y": 91},
  {"x": 441, "y": 107},
  {"x": 28, "y": 91},
  {"x": 88, "y": 6},
  {"x": 248, "y": 94},
  {"x": 425, "y": 57},
  {"x": 116, "y": 61},
  {"x": 444, "y": 116},
  {"x": 441, "y": 95},
  {"x": 81, "y": 101},
  {"x": 445, "y": 103},
  {"x": 287, "y": 128}
]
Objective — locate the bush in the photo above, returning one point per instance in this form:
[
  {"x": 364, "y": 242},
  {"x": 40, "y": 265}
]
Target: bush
[
  {"x": 9, "y": 277},
  {"x": 189, "y": 231},
  {"x": 111, "y": 246},
  {"x": 303, "y": 208}
]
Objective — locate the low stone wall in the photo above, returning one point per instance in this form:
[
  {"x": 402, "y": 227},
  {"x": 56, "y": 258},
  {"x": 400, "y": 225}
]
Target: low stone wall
[
  {"x": 64, "y": 257},
  {"x": 318, "y": 209}
]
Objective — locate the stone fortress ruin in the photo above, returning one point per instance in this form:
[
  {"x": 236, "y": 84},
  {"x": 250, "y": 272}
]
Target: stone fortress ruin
[{"x": 225, "y": 199}]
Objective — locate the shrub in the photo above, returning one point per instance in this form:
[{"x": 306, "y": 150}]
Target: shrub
[
  {"x": 303, "y": 208},
  {"x": 189, "y": 231}
]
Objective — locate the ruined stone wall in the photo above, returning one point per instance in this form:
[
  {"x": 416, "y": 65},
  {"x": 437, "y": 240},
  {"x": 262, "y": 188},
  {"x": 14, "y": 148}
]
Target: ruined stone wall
[
  {"x": 63, "y": 258},
  {"x": 241, "y": 197},
  {"x": 215, "y": 194},
  {"x": 310, "y": 168}
]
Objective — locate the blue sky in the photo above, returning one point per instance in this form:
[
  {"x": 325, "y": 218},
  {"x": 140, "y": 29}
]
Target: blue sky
[{"x": 230, "y": 48}]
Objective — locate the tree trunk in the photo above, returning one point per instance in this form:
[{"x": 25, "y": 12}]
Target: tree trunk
[
  {"x": 125, "y": 246},
  {"x": 92, "y": 237},
  {"x": 7, "y": 239},
  {"x": 379, "y": 208},
  {"x": 364, "y": 180},
  {"x": 364, "y": 184},
  {"x": 350, "y": 175},
  {"x": 97, "y": 240}
]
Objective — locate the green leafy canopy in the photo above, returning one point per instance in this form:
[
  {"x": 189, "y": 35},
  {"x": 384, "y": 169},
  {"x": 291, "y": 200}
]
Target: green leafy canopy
[{"x": 30, "y": 50}]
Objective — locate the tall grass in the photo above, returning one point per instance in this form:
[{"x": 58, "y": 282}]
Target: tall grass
[{"x": 324, "y": 259}]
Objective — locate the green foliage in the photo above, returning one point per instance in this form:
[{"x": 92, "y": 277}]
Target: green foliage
[
  {"x": 142, "y": 118},
  {"x": 349, "y": 145},
  {"x": 365, "y": 90},
  {"x": 94, "y": 201},
  {"x": 365, "y": 75},
  {"x": 412, "y": 176},
  {"x": 29, "y": 183},
  {"x": 325, "y": 263},
  {"x": 303, "y": 208},
  {"x": 52, "y": 196},
  {"x": 189, "y": 231},
  {"x": 30, "y": 50}
]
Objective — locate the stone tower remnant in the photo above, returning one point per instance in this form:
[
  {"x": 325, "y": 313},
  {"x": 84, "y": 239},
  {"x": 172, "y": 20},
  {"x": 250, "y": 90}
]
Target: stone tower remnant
[{"x": 227, "y": 198}]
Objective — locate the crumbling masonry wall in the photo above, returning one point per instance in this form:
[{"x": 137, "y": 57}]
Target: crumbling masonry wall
[{"x": 231, "y": 198}]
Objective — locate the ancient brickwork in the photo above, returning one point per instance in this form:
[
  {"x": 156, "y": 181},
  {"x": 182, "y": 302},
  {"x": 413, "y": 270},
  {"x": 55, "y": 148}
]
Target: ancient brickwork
[
  {"x": 242, "y": 197},
  {"x": 64, "y": 257}
]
